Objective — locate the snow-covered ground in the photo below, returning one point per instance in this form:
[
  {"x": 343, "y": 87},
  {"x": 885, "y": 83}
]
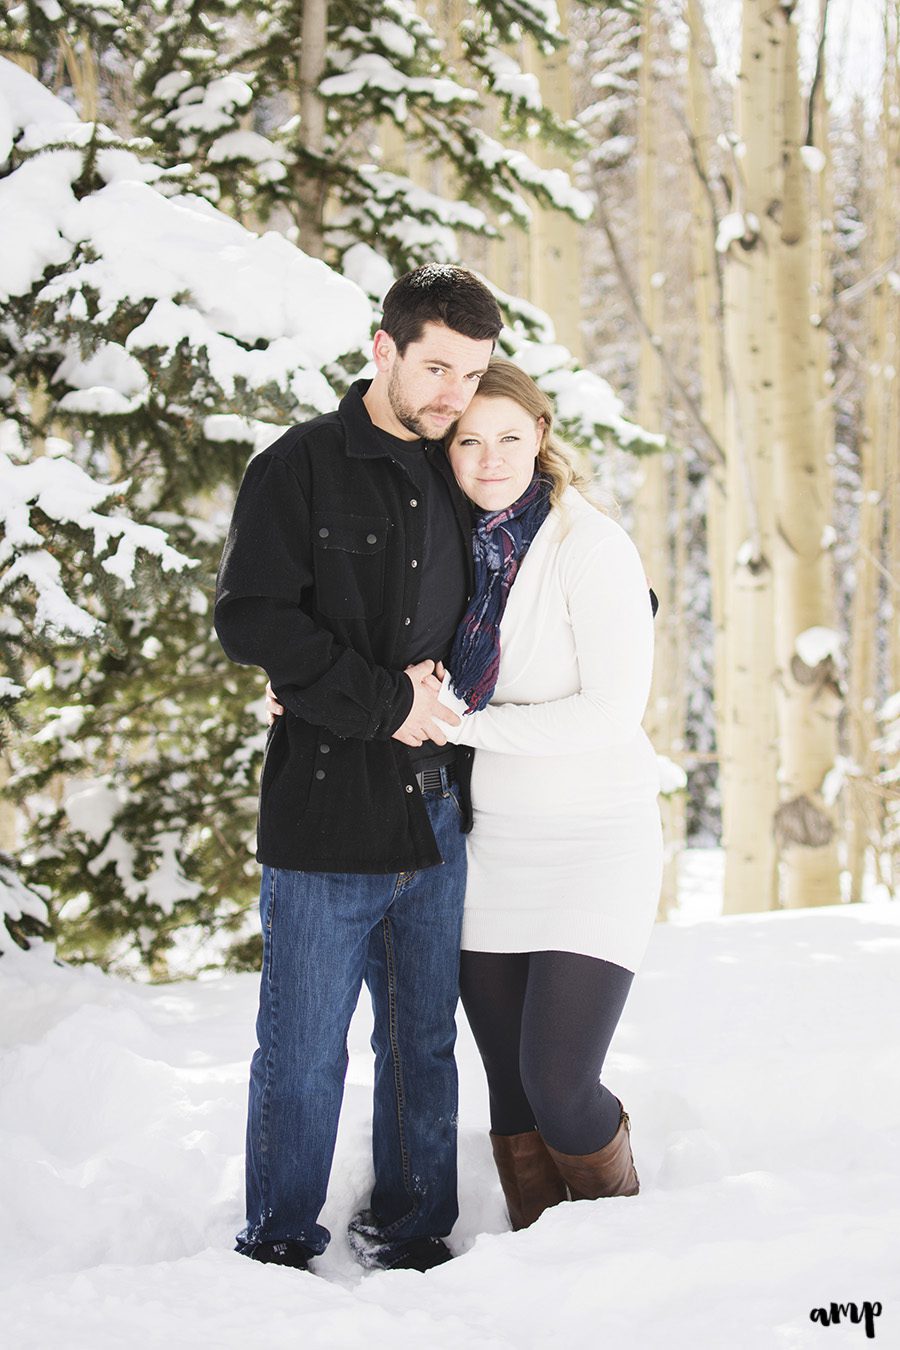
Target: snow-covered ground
[{"x": 758, "y": 1058}]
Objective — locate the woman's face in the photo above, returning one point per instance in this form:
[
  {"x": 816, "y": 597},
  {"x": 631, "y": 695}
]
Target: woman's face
[{"x": 492, "y": 451}]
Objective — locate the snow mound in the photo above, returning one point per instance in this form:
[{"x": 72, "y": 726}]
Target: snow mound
[{"x": 765, "y": 1103}]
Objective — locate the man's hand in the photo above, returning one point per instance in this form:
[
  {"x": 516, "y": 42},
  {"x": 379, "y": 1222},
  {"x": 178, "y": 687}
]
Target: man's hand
[
  {"x": 420, "y": 724},
  {"x": 273, "y": 707}
]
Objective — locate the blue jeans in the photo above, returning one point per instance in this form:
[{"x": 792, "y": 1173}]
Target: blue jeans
[{"x": 323, "y": 933}]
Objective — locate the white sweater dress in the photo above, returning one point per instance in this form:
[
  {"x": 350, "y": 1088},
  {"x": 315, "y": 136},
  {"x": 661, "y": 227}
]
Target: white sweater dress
[{"x": 566, "y": 849}]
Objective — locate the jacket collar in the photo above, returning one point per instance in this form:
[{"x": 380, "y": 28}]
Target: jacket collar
[{"x": 363, "y": 439}]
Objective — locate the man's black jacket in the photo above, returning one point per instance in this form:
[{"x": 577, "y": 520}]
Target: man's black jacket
[{"x": 317, "y": 582}]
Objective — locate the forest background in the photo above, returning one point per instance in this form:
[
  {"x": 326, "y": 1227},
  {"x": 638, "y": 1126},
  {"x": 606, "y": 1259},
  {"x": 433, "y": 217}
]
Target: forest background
[{"x": 689, "y": 212}]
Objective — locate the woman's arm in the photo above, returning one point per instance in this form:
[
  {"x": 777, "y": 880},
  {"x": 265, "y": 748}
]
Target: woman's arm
[{"x": 609, "y": 609}]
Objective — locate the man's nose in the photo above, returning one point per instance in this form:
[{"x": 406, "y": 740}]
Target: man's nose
[{"x": 457, "y": 394}]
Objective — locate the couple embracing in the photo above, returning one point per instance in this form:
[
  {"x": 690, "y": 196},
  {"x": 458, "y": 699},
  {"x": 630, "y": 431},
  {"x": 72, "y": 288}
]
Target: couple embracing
[{"x": 457, "y": 796}]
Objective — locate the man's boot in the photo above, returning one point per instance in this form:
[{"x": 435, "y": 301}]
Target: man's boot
[
  {"x": 528, "y": 1176},
  {"x": 609, "y": 1171}
]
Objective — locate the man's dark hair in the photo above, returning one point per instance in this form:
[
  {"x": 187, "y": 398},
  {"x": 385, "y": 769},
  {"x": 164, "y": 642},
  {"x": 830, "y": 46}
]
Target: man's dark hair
[{"x": 439, "y": 293}]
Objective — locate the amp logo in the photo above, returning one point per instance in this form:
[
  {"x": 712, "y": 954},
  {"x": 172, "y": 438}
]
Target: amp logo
[{"x": 848, "y": 1312}]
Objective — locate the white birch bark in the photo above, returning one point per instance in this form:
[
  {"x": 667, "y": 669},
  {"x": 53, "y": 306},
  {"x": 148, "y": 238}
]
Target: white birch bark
[
  {"x": 81, "y": 65},
  {"x": 749, "y": 764},
  {"x": 651, "y": 501},
  {"x": 878, "y": 439},
  {"x": 708, "y": 305},
  {"x": 311, "y": 191},
  {"x": 808, "y": 693},
  {"x": 555, "y": 239}
]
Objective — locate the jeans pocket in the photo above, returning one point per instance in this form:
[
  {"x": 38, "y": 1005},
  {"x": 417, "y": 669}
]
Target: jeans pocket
[
  {"x": 452, "y": 793},
  {"x": 268, "y": 907}
]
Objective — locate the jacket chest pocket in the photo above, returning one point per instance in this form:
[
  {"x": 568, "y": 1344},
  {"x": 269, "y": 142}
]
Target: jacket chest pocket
[{"x": 349, "y": 553}]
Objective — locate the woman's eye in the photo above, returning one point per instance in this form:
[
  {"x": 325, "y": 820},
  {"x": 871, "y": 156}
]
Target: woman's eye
[{"x": 511, "y": 438}]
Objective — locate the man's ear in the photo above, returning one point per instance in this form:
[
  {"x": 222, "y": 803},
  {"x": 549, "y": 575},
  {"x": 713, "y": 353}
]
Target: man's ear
[{"x": 384, "y": 350}]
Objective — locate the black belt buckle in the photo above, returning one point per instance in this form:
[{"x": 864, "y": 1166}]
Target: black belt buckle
[{"x": 431, "y": 780}]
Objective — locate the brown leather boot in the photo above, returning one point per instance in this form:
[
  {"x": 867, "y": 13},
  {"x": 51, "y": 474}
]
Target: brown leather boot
[
  {"x": 528, "y": 1177},
  {"x": 609, "y": 1171}
]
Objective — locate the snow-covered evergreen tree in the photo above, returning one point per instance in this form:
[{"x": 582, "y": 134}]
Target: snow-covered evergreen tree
[
  {"x": 228, "y": 102},
  {"x": 149, "y": 343},
  {"x": 138, "y": 369}
]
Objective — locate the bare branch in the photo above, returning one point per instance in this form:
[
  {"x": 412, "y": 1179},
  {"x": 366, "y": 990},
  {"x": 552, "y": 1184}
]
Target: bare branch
[
  {"x": 818, "y": 74},
  {"x": 860, "y": 289},
  {"x": 717, "y": 454}
]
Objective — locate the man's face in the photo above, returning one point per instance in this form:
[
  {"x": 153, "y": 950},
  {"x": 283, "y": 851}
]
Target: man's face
[{"x": 431, "y": 385}]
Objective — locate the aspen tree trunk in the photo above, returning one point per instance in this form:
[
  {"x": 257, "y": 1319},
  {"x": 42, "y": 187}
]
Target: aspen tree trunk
[
  {"x": 310, "y": 189},
  {"x": 399, "y": 154},
  {"x": 651, "y": 501},
  {"x": 808, "y": 699},
  {"x": 708, "y": 302},
  {"x": 81, "y": 65},
  {"x": 891, "y": 103},
  {"x": 8, "y": 814},
  {"x": 749, "y": 765},
  {"x": 865, "y": 806},
  {"x": 675, "y": 806},
  {"x": 822, "y": 250},
  {"x": 554, "y": 239},
  {"x": 892, "y": 456}
]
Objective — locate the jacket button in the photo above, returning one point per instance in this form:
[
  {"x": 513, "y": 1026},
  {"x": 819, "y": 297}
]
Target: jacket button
[
  {"x": 324, "y": 749},
  {"x": 323, "y": 533},
  {"x": 320, "y": 773},
  {"x": 409, "y": 787},
  {"x": 414, "y": 563},
  {"x": 371, "y": 538},
  {"x": 413, "y": 502},
  {"x": 407, "y": 622}
]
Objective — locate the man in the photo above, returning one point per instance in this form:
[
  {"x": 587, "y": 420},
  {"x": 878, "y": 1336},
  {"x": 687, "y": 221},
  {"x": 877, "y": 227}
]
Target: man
[{"x": 345, "y": 573}]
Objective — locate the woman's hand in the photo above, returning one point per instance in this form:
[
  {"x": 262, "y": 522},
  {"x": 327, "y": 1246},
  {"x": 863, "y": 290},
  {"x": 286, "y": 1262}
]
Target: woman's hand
[{"x": 273, "y": 707}]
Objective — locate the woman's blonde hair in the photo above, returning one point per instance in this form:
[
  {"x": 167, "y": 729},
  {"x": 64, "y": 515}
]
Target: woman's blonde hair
[{"x": 503, "y": 379}]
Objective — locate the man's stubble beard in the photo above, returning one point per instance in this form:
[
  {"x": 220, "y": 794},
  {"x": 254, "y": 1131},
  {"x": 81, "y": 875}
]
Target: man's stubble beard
[{"x": 412, "y": 418}]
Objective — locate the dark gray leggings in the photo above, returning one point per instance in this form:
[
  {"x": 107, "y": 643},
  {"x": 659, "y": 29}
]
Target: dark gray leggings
[{"x": 543, "y": 1022}]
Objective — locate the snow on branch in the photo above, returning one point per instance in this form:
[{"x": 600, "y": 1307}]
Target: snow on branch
[
  {"x": 263, "y": 311},
  {"x": 23, "y": 912},
  {"x": 371, "y": 71},
  {"x": 64, "y": 493},
  {"x": 553, "y": 184},
  {"x": 588, "y": 411}
]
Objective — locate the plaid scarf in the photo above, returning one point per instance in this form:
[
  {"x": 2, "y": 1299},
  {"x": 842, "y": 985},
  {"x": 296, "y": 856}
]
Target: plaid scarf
[{"x": 500, "y": 541}]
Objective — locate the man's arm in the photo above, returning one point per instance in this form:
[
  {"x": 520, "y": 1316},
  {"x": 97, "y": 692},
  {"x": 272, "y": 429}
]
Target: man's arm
[
  {"x": 266, "y": 568},
  {"x": 420, "y": 724}
]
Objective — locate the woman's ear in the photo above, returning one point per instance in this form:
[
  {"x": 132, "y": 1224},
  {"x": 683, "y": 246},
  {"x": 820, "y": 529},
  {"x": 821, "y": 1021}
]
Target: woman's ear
[{"x": 540, "y": 427}]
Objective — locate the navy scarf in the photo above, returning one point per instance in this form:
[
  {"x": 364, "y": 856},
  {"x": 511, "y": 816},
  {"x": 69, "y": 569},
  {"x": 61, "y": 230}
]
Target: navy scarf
[{"x": 500, "y": 541}]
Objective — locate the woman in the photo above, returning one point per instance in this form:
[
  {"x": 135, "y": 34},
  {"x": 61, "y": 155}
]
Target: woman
[{"x": 551, "y": 670}]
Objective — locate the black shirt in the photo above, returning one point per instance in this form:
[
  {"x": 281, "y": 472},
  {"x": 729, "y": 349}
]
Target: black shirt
[{"x": 443, "y": 593}]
